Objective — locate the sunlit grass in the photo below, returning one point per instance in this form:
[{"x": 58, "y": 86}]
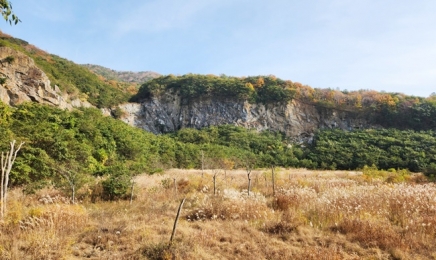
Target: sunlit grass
[{"x": 313, "y": 215}]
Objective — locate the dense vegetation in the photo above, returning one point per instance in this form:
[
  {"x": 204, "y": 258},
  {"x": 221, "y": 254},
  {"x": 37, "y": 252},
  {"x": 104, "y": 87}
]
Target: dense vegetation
[
  {"x": 74, "y": 79},
  {"x": 255, "y": 89},
  {"x": 83, "y": 144},
  {"x": 387, "y": 109},
  {"x": 80, "y": 144},
  {"x": 385, "y": 148}
]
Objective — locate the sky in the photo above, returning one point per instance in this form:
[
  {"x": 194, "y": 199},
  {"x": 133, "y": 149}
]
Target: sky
[{"x": 383, "y": 45}]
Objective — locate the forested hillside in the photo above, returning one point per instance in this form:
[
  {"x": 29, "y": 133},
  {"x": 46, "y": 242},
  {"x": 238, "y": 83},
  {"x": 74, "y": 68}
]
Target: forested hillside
[
  {"x": 83, "y": 144},
  {"x": 386, "y": 109},
  {"x": 72, "y": 78}
]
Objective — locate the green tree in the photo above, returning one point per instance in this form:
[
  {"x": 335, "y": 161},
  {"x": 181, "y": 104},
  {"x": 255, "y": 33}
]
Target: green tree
[
  {"x": 71, "y": 178},
  {"x": 6, "y": 11},
  {"x": 117, "y": 184}
]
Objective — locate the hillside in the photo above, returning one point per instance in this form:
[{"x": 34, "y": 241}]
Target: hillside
[
  {"x": 169, "y": 103},
  {"x": 261, "y": 118},
  {"x": 123, "y": 76},
  {"x": 69, "y": 78},
  {"x": 250, "y": 136}
]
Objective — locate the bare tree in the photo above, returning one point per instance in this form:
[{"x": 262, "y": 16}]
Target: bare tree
[
  {"x": 227, "y": 164},
  {"x": 248, "y": 169},
  {"x": 215, "y": 174},
  {"x": 132, "y": 180},
  {"x": 71, "y": 179},
  {"x": 273, "y": 181},
  {"x": 249, "y": 162},
  {"x": 7, "y": 161},
  {"x": 202, "y": 163}
]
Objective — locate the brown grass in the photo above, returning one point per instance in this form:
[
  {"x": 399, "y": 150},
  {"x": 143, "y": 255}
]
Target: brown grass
[{"x": 314, "y": 215}]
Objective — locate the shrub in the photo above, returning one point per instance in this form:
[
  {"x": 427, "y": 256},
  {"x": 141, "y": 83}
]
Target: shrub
[
  {"x": 9, "y": 59},
  {"x": 116, "y": 186},
  {"x": 430, "y": 169},
  {"x": 370, "y": 233},
  {"x": 159, "y": 251},
  {"x": 117, "y": 113}
]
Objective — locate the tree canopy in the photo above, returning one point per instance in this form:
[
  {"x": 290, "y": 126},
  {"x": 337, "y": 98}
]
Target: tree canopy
[{"x": 260, "y": 89}]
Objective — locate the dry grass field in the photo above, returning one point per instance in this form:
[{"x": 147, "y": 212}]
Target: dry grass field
[{"x": 313, "y": 215}]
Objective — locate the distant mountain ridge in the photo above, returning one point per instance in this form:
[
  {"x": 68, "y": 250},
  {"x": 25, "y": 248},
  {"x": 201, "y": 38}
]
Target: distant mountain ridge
[{"x": 123, "y": 76}]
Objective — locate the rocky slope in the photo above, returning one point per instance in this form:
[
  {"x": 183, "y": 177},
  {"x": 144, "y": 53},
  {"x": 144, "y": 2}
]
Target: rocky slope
[
  {"x": 297, "y": 120},
  {"x": 23, "y": 81},
  {"x": 124, "y": 76}
]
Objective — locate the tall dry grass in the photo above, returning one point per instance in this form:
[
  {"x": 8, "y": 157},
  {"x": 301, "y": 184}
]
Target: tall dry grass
[{"x": 314, "y": 215}]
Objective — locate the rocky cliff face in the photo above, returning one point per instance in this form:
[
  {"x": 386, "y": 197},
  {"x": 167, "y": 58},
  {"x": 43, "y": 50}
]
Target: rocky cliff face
[
  {"x": 297, "y": 120},
  {"x": 169, "y": 112},
  {"x": 26, "y": 82}
]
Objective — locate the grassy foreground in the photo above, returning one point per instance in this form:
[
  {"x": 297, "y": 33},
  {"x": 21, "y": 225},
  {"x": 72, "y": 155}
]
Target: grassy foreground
[{"x": 313, "y": 215}]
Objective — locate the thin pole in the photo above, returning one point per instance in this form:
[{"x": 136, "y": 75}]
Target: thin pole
[{"x": 176, "y": 220}]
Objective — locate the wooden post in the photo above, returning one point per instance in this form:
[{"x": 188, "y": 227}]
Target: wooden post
[
  {"x": 273, "y": 181},
  {"x": 131, "y": 191},
  {"x": 176, "y": 220},
  {"x": 249, "y": 182},
  {"x": 214, "y": 184},
  {"x": 202, "y": 163},
  {"x": 175, "y": 186}
]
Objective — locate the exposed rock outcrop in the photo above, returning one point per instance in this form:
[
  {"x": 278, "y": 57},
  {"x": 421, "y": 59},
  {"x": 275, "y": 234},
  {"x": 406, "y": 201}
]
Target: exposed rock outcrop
[
  {"x": 297, "y": 120},
  {"x": 24, "y": 81}
]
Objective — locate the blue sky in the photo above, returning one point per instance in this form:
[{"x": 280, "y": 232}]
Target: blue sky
[{"x": 384, "y": 45}]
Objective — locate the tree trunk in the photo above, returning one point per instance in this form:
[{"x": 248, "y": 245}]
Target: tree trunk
[
  {"x": 6, "y": 166},
  {"x": 73, "y": 194},
  {"x": 131, "y": 191},
  {"x": 214, "y": 184},
  {"x": 202, "y": 164},
  {"x": 3, "y": 166},
  {"x": 249, "y": 185}
]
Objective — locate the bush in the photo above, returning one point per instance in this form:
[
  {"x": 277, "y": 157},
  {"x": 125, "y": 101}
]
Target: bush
[
  {"x": 116, "y": 186},
  {"x": 430, "y": 170},
  {"x": 159, "y": 251},
  {"x": 9, "y": 59},
  {"x": 117, "y": 113}
]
